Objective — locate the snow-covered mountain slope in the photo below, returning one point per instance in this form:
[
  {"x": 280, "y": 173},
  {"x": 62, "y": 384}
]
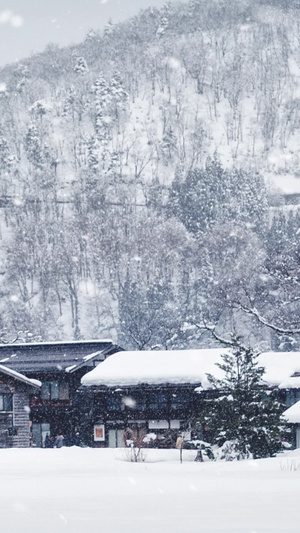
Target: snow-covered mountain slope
[{"x": 93, "y": 136}]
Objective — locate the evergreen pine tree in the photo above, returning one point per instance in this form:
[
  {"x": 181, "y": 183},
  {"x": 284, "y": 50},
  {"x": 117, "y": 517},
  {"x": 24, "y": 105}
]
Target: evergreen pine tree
[
  {"x": 92, "y": 147},
  {"x": 168, "y": 145},
  {"x": 102, "y": 101},
  {"x": 244, "y": 410},
  {"x": 69, "y": 102},
  {"x": 33, "y": 147},
  {"x": 6, "y": 159},
  {"x": 81, "y": 66},
  {"x": 211, "y": 196}
]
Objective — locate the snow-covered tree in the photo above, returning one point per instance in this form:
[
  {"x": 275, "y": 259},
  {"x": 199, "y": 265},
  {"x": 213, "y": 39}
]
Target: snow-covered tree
[
  {"x": 243, "y": 408},
  {"x": 34, "y": 147},
  {"x": 275, "y": 304},
  {"x": 6, "y": 158},
  {"x": 149, "y": 316},
  {"x": 99, "y": 146},
  {"x": 214, "y": 195},
  {"x": 81, "y": 66}
]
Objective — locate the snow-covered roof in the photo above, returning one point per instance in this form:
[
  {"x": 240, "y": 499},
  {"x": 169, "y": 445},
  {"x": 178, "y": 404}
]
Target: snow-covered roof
[
  {"x": 20, "y": 377},
  {"x": 154, "y": 367},
  {"x": 290, "y": 383},
  {"x": 292, "y": 414},
  {"x": 182, "y": 366},
  {"x": 279, "y": 366}
]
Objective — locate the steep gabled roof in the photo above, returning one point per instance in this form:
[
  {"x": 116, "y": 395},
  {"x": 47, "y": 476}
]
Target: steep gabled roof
[{"x": 47, "y": 357}]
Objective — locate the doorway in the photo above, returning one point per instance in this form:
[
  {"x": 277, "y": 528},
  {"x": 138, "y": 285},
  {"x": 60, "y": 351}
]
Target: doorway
[
  {"x": 39, "y": 432},
  {"x": 115, "y": 438}
]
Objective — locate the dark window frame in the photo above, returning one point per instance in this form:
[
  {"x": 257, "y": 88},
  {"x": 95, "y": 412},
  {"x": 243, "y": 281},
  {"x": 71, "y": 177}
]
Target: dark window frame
[
  {"x": 292, "y": 396},
  {"x": 180, "y": 401},
  {"x": 53, "y": 390},
  {"x": 114, "y": 402},
  {"x": 158, "y": 400},
  {"x": 6, "y": 403}
]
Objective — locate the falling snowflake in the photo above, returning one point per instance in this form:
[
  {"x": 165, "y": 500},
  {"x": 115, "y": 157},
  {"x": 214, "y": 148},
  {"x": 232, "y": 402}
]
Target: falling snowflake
[
  {"x": 16, "y": 21},
  {"x": 129, "y": 402},
  {"x": 8, "y": 17},
  {"x": 5, "y": 16}
]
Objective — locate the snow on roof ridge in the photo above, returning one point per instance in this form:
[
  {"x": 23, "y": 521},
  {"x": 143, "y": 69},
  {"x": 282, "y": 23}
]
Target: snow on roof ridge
[
  {"x": 91, "y": 355},
  {"x": 20, "y": 377},
  {"x": 84, "y": 360}
]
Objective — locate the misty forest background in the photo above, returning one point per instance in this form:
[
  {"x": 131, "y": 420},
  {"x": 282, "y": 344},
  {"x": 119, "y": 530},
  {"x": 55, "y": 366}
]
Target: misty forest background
[{"x": 136, "y": 181}]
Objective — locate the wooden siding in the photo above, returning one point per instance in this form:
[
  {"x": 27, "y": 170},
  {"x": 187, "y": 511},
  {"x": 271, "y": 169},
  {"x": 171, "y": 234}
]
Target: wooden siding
[
  {"x": 6, "y": 421},
  {"x": 21, "y": 419},
  {"x": 17, "y": 419}
]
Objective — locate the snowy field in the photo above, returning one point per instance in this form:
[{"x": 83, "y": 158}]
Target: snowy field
[{"x": 75, "y": 490}]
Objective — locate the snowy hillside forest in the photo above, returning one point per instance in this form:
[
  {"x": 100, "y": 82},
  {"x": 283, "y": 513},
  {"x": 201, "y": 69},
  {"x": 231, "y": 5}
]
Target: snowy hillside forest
[{"x": 136, "y": 170}]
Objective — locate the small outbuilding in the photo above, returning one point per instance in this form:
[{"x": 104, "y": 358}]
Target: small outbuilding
[
  {"x": 55, "y": 408},
  {"x": 15, "y": 390},
  {"x": 146, "y": 395}
]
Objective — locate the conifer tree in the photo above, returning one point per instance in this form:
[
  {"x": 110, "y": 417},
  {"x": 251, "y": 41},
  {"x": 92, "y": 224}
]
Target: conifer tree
[
  {"x": 214, "y": 196},
  {"x": 243, "y": 409},
  {"x": 81, "y": 66},
  {"x": 6, "y": 159},
  {"x": 33, "y": 147}
]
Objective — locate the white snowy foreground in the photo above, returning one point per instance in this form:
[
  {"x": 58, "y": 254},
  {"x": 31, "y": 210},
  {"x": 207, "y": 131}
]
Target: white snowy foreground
[{"x": 82, "y": 490}]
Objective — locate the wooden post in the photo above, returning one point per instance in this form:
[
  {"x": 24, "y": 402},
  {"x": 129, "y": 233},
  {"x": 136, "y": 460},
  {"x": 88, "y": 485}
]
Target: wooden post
[{"x": 179, "y": 446}]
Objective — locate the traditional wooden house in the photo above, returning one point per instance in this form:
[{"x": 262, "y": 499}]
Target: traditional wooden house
[
  {"x": 15, "y": 391},
  {"x": 59, "y": 366},
  {"x": 159, "y": 393},
  {"x": 135, "y": 394},
  {"x": 123, "y": 394}
]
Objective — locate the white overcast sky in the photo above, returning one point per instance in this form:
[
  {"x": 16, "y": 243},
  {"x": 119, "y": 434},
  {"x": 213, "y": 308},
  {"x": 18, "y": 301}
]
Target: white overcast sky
[{"x": 27, "y": 26}]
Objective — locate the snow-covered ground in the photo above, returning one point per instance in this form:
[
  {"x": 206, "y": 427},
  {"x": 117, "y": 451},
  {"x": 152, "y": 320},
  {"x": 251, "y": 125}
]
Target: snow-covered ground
[{"x": 82, "y": 490}]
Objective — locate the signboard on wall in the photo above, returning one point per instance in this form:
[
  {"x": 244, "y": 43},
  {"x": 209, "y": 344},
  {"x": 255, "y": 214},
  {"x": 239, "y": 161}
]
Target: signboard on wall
[{"x": 99, "y": 433}]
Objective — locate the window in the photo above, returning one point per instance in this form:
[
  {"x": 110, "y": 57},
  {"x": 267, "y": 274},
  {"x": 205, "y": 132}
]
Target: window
[
  {"x": 113, "y": 402},
  {"x": 158, "y": 400},
  {"x": 292, "y": 396},
  {"x": 49, "y": 390},
  {"x": 135, "y": 401},
  {"x": 6, "y": 403},
  {"x": 140, "y": 401},
  {"x": 63, "y": 390},
  {"x": 53, "y": 390},
  {"x": 180, "y": 400}
]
